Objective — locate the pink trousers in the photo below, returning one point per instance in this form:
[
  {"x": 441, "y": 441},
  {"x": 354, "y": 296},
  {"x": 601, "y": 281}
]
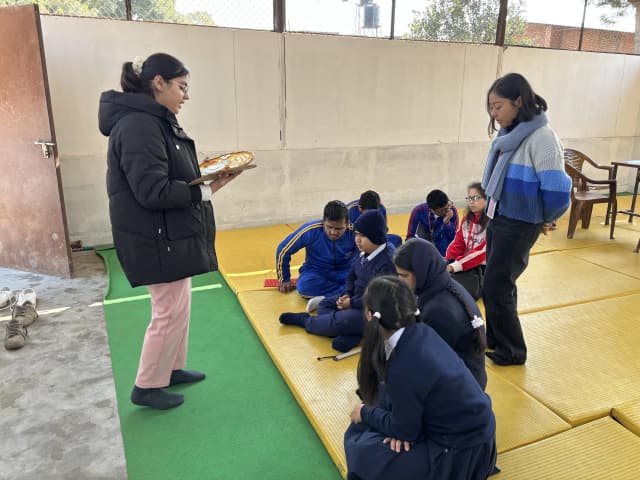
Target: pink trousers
[{"x": 165, "y": 343}]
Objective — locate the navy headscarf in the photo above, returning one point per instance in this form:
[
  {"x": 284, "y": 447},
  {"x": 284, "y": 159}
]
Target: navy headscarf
[{"x": 428, "y": 266}]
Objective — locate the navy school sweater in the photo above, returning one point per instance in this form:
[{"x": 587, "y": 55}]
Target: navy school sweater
[
  {"x": 364, "y": 270},
  {"x": 430, "y": 394}
]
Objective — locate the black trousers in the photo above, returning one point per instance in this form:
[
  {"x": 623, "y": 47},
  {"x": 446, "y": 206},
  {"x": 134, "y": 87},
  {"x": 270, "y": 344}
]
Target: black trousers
[{"x": 508, "y": 244}]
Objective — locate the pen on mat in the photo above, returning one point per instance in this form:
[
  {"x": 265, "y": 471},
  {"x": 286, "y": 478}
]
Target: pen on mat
[{"x": 342, "y": 355}]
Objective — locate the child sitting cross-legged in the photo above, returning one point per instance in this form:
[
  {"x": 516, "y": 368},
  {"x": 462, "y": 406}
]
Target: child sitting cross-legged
[{"x": 341, "y": 317}]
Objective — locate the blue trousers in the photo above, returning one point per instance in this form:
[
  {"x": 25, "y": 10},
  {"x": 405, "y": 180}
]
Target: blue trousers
[
  {"x": 313, "y": 282},
  {"x": 331, "y": 322}
]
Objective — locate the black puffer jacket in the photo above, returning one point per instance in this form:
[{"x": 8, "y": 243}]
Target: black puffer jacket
[{"x": 162, "y": 230}]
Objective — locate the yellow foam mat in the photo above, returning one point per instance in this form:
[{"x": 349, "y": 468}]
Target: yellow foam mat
[
  {"x": 520, "y": 418},
  {"x": 619, "y": 257},
  {"x": 583, "y": 359},
  {"x": 628, "y": 414},
  {"x": 601, "y": 450},
  {"x": 247, "y": 256},
  {"x": 325, "y": 389},
  {"x": 249, "y": 249},
  {"x": 397, "y": 223},
  {"x": 557, "y": 279}
]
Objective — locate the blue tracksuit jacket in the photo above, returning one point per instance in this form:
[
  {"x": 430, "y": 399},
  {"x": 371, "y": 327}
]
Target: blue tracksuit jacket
[{"x": 326, "y": 263}]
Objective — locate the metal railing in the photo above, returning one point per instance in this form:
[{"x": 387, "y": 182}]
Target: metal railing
[{"x": 591, "y": 25}]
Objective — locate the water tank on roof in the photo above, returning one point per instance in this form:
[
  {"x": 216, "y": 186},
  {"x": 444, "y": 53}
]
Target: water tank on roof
[{"x": 371, "y": 15}]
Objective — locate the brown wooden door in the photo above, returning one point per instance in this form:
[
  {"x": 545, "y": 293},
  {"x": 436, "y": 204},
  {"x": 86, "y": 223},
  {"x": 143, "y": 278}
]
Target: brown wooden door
[{"x": 33, "y": 231}]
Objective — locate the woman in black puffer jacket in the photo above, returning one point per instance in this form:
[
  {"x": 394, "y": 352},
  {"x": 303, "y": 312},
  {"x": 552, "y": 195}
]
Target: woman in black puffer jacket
[{"x": 163, "y": 229}]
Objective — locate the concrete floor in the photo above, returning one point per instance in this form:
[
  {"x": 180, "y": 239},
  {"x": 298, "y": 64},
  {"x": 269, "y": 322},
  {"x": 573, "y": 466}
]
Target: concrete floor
[{"x": 58, "y": 412}]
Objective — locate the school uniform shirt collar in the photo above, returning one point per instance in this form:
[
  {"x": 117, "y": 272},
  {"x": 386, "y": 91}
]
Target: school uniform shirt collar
[
  {"x": 373, "y": 254},
  {"x": 392, "y": 341}
]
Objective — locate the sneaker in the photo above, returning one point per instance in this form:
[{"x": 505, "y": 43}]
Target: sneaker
[
  {"x": 26, "y": 296},
  {"x": 5, "y": 297},
  {"x": 25, "y": 307},
  {"x": 313, "y": 303},
  {"x": 15, "y": 335},
  {"x": 25, "y": 314}
]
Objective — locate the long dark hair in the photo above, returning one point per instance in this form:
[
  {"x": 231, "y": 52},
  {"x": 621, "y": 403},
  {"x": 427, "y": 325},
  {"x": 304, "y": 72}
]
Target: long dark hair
[
  {"x": 484, "y": 219},
  {"x": 512, "y": 86},
  {"x": 392, "y": 306},
  {"x": 162, "y": 64},
  {"x": 479, "y": 336}
]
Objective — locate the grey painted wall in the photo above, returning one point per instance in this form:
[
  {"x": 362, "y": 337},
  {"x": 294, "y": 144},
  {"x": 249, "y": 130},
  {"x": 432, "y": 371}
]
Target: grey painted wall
[{"x": 326, "y": 116}]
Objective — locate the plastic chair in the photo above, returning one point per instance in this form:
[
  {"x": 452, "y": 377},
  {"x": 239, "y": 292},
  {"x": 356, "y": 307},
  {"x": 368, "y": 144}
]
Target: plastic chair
[
  {"x": 576, "y": 159},
  {"x": 584, "y": 195}
]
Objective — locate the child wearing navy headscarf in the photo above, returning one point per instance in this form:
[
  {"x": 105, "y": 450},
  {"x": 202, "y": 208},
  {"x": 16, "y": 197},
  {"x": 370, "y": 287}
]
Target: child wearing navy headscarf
[{"x": 444, "y": 304}]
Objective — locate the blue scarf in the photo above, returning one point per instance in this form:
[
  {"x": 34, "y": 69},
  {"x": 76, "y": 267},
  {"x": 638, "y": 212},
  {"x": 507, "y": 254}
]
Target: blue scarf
[{"x": 506, "y": 143}]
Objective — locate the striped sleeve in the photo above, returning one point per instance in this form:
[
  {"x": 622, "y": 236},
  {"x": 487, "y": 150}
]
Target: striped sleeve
[
  {"x": 299, "y": 239},
  {"x": 555, "y": 184}
]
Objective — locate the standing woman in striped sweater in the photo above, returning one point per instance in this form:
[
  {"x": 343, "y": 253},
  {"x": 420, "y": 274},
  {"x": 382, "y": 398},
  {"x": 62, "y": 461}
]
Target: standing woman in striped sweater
[{"x": 527, "y": 189}]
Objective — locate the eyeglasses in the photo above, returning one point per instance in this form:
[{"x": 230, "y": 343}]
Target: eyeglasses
[
  {"x": 183, "y": 87},
  {"x": 473, "y": 198}
]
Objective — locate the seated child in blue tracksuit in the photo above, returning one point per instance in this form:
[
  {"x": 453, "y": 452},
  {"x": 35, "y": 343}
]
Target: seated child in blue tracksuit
[
  {"x": 435, "y": 221},
  {"x": 341, "y": 316},
  {"x": 370, "y": 200},
  {"x": 329, "y": 251}
]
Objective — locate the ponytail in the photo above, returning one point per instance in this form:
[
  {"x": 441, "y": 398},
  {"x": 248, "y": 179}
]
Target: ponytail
[
  {"x": 479, "y": 337},
  {"x": 373, "y": 362},
  {"x": 136, "y": 76},
  {"x": 540, "y": 102},
  {"x": 129, "y": 81},
  {"x": 391, "y": 305}
]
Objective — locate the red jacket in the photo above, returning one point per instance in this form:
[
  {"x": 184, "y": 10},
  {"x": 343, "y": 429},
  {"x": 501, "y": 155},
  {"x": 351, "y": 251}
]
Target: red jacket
[{"x": 469, "y": 247}]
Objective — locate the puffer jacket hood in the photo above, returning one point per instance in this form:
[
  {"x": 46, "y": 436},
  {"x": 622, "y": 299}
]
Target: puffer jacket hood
[{"x": 116, "y": 105}]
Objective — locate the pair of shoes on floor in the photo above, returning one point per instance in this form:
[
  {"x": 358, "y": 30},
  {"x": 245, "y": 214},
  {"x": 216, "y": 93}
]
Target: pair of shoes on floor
[
  {"x": 161, "y": 399},
  {"x": 22, "y": 316},
  {"x": 504, "y": 361},
  {"x": 312, "y": 304}
]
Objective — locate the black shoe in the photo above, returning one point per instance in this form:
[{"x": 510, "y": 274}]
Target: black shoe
[
  {"x": 499, "y": 359},
  {"x": 297, "y": 319},
  {"x": 185, "y": 376},
  {"x": 155, "y": 398}
]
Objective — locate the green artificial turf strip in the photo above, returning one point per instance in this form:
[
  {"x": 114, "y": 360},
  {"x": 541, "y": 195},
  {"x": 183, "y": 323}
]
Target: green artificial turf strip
[{"x": 240, "y": 423}]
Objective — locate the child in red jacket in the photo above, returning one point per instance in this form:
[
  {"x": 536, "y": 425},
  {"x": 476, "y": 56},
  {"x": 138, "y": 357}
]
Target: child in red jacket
[{"x": 468, "y": 250}]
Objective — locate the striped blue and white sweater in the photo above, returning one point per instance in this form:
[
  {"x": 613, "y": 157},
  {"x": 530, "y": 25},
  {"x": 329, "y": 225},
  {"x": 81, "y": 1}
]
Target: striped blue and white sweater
[{"x": 536, "y": 188}]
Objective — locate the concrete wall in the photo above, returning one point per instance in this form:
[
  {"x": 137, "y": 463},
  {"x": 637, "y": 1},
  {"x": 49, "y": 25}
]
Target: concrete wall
[{"x": 327, "y": 117}]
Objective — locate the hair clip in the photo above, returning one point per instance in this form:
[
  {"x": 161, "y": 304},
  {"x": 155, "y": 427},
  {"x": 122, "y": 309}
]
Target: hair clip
[
  {"x": 477, "y": 322},
  {"x": 377, "y": 315},
  {"x": 136, "y": 65}
]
